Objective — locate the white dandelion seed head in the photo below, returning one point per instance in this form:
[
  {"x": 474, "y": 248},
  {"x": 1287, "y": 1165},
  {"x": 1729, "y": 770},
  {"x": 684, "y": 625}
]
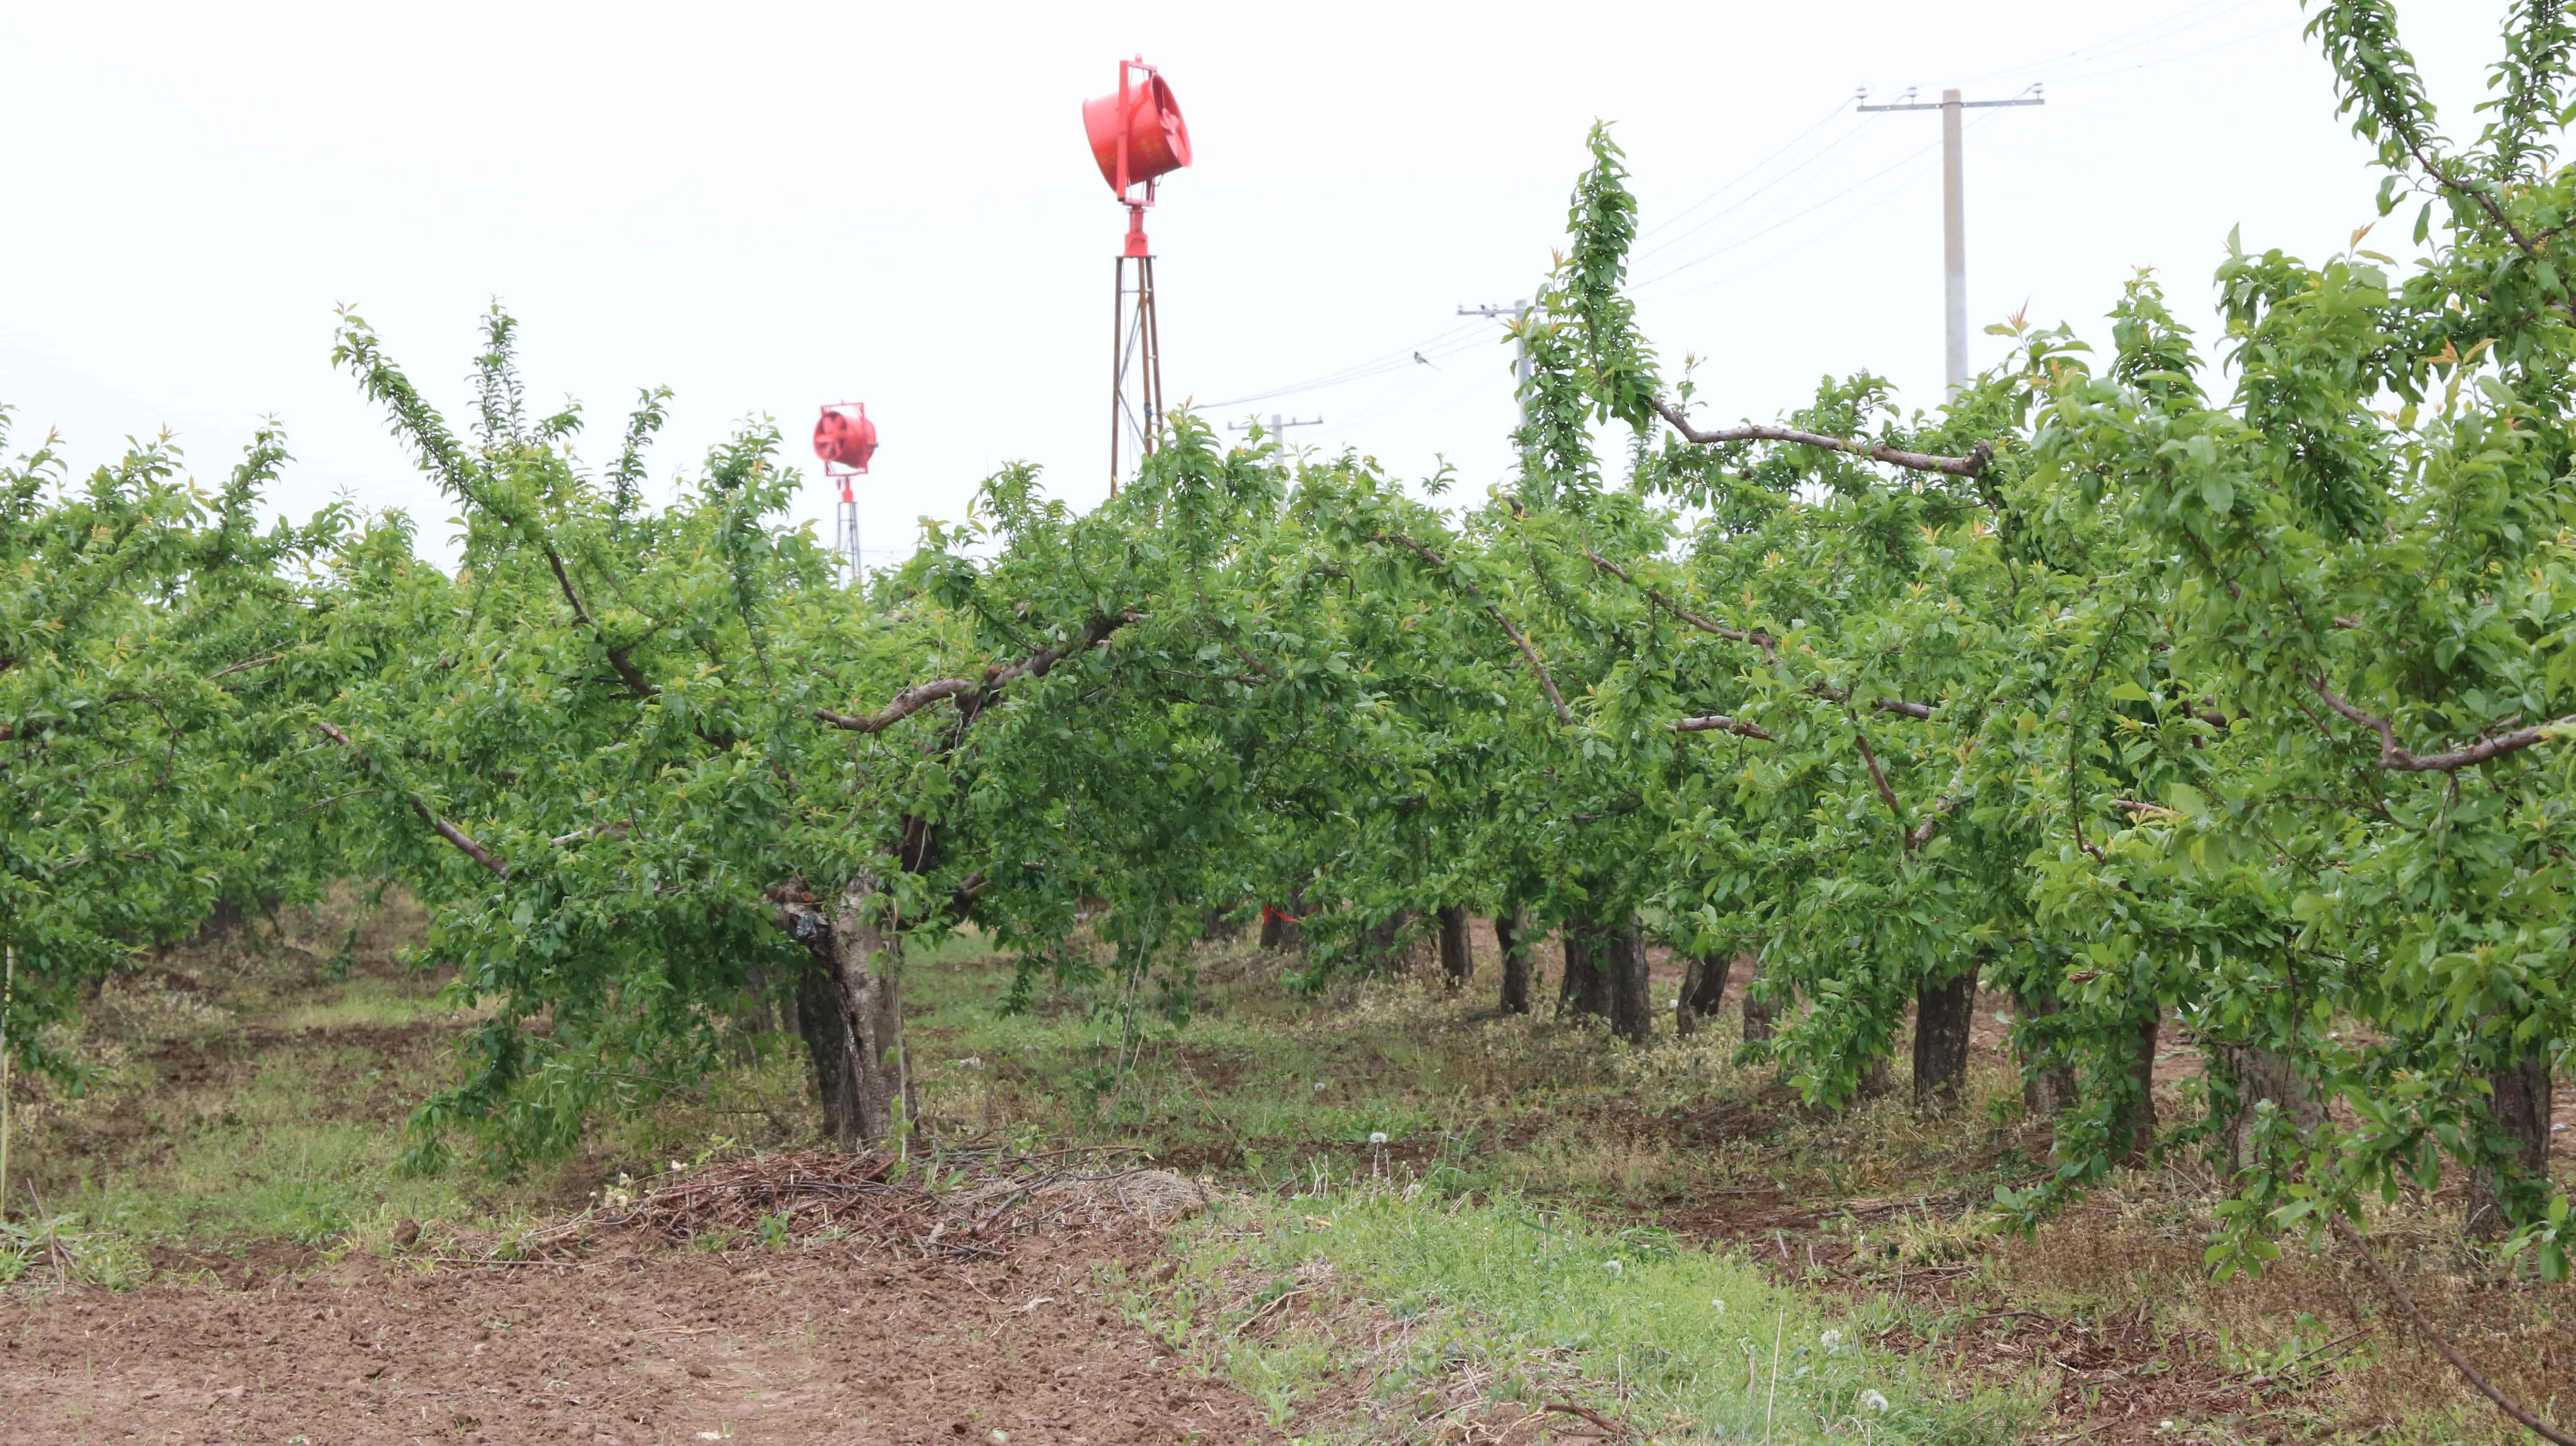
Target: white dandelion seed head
[
  {"x": 1717, "y": 1307},
  {"x": 1872, "y": 1401},
  {"x": 1319, "y": 1086},
  {"x": 1377, "y": 1137},
  {"x": 1833, "y": 1340},
  {"x": 1614, "y": 1267}
]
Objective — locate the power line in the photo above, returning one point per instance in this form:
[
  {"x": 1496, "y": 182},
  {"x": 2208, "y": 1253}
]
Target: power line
[
  {"x": 1808, "y": 173},
  {"x": 1748, "y": 173},
  {"x": 2122, "y": 42},
  {"x": 1392, "y": 361}
]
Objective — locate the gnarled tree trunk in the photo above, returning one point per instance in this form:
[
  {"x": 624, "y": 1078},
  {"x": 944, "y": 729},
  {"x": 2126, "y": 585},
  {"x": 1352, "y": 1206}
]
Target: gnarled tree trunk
[
  {"x": 1703, "y": 991},
  {"x": 1512, "y": 939},
  {"x": 1605, "y": 968},
  {"x": 1457, "y": 952},
  {"x": 851, "y": 1010},
  {"x": 2518, "y": 1109}
]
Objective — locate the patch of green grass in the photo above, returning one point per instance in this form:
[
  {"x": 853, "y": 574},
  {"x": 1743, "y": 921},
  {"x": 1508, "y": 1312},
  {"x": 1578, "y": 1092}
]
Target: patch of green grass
[{"x": 1437, "y": 1308}]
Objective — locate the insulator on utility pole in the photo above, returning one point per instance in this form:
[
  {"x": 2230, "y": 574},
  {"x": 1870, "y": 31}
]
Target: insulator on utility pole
[{"x": 1277, "y": 428}]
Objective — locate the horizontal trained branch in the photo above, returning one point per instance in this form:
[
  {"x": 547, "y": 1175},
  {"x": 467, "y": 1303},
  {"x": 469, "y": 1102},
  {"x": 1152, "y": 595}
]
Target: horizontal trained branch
[
  {"x": 2400, "y": 760},
  {"x": 975, "y": 695},
  {"x": 1720, "y": 723},
  {"x": 1967, "y": 466}
]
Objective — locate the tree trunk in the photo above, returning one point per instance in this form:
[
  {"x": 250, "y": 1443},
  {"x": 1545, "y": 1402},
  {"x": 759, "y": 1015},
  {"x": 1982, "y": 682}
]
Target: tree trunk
[
  {"x": 1457, "y": 952},
  {"x": 2046, "y": 1089},
  {"x": 1703, "y": 991},
  {"x": 2503, "y": 1193},
  {"x": 1216, "y": 926},
  {"x": 818, "y": 1021},
  {"x": 2138, "y": 1115},
  {"x": 1511, "y": 934},
  {"x": 1941, "y": 1016},
  {"x": 1759, "y": 1018},
  {"x": 1606, "y": 966},
  {"x": 1632, "y": 1001},
  {"x": 1585, "y": 987},
  {"x": 2258, "y": 1075},
  {"x": 856, "y": 998},
  {"x": 1279, "y": 926}
]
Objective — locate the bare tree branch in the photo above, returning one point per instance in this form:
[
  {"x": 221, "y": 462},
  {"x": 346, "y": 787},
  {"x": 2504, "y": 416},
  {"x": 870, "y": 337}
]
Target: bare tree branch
[
  {"x": 1767, "y": 643},
  {"x": 905, "y": 704},
  {"x": 1519, "y": 639},
  {"x": 632, "y": 676},
  {"x": 1757, "y": 637},
  {"x": 2405, "y": 1302},
  {"x": 1968, "y": 466},
  {"x": 975, "y": 696},
  {"x": 1720, "y": 723},
  {"x": 2399, "y": 760},
  {"x": 1886, "y": 794},
  {"x": 565, "y": 840},
  {"x": 248, "y": 663},
  {"x": 438, "y": 825}
]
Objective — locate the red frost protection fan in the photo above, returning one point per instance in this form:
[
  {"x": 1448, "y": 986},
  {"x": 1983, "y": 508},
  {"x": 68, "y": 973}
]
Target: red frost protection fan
[{"x": 845, "y": 439}]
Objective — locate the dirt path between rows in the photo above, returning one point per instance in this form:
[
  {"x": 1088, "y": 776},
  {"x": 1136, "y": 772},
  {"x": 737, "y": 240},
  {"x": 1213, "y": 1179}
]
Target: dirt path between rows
[{"x": 855, "y": 1339}]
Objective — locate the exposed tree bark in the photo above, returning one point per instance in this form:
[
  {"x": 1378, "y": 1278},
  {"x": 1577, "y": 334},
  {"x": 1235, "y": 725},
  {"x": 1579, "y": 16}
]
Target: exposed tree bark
[
  {"x": 1512, "y": 936},
  {"x": 859, "y": 956},
  {"x": 1605, "y": 965},
  {"x": 1759, "y": 1018},
  {"x": 1941, "y": 1016},
  {"x": 1967, "y": 466},
  {"x": 1632, "y": 1003},
  {"x": 1217, "y": 926},
  {"x": 1585, "y": 987},
  {"x": 2046, "y": 1088},
  {"x": 1457, "y": 951},
  {"x": 2518, "y": 1111},
  {"x": 2257, "y": 1075},
  {"x": 1703, "y": 991},
  {"x": 827, "y": 1050},
  {"x": 2137, "y": 1119}
]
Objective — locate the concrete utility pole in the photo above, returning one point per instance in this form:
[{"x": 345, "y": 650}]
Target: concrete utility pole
[
  {"x": 1954, "y": 222},
  {"x": 1517, "y": 311},
  {"x": 1279, "y": 425}
]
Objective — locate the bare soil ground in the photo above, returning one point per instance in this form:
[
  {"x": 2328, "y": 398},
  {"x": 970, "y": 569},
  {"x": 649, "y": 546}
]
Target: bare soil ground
[{"x": 889, "y": 1316}]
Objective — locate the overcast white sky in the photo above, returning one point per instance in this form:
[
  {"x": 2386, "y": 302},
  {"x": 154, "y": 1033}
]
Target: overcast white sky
[{"x": 770, "y": 206}]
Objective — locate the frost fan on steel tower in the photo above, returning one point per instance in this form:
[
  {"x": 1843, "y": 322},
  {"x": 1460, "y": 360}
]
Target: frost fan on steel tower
[
  {"x": 845, "y": 439},
  {"x": 1137, "y": 135}
]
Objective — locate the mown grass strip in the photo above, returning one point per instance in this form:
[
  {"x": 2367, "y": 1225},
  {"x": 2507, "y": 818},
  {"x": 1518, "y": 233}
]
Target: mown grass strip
[{"x": 1377, "y": 1313}]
